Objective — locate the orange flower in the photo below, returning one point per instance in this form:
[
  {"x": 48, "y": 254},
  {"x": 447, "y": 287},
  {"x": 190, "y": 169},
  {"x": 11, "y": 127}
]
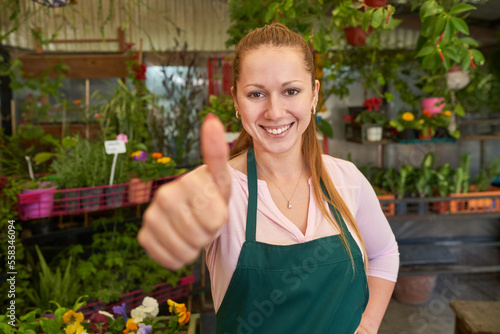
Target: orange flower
[
  {"x": 156, "y": 155},
  {"x": 175, "y": 307},
  {"x": 131, "y": 326},
  {"x": 426, "y": 113},
  {"x": 447, "y": 113},
  {"x": 77, "y": 102},
  {"x": 183, "y": 317}
]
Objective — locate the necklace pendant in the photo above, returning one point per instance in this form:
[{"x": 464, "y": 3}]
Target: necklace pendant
[{"x": 289, "y": 205}]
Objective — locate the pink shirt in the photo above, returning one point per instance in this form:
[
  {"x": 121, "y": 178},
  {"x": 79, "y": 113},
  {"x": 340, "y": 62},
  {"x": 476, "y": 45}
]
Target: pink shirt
[{"x": 274, "y": 228}]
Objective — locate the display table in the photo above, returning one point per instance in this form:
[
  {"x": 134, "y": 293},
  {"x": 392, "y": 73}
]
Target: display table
[{"x": 481, "y": 317}]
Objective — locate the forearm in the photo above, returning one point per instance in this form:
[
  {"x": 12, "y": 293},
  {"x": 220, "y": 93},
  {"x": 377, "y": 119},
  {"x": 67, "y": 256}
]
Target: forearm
[{"x": 380, "y": 295}]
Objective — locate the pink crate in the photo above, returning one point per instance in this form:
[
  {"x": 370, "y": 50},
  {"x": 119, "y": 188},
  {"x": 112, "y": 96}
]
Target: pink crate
[
  {"x": 80, "y": 200},
  {"x": 132, "y": 299}
]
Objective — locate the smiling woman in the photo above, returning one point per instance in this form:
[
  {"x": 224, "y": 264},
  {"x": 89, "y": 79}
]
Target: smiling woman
[{"x": 281, "y": 223}]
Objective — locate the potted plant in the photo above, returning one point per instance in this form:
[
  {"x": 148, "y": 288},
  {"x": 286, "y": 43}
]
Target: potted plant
[
  {"x": 37, "y": 199},
  {"x": 223, "y": 107},
  {"x": 423, "y": 177},
  {"x": 441, "y": 182},
  {"x": 402, "y": 188},
  {"x": 441, "y": 47},
  {"x": 143, "y": 170},
  {"x": 373, "y": 120},
  {"x": 406, "y": 125}
]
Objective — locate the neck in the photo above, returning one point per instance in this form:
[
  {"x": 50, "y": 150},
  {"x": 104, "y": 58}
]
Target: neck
[{"x": 282, "y": 166}]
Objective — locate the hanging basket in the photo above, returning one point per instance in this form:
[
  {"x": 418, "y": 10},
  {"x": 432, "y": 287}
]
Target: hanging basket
[
  {"x": 376, "y": 3},
  {"x": 55, "y": 3}
]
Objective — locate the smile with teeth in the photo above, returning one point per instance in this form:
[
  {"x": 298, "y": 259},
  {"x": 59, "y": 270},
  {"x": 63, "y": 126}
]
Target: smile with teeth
[{"x": 278, "y": 130}]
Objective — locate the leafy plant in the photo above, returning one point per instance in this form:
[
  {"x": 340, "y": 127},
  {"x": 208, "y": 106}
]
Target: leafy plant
[
  {"x": 442, "y": 179},
  {"x": 403, "y": 185},
  {"x": 223, "y": 107},
  {"x": 487, "y": 173},
  {"x": 423, "y": 176},
  {"x": 53, "y": 285},
  {"x": 405, "y": 120}
]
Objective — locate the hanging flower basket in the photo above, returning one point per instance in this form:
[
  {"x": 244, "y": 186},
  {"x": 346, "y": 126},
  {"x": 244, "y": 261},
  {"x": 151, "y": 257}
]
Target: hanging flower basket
[
  {"x": 55, "y": 3},
  {"x": 376, "y": 3}
]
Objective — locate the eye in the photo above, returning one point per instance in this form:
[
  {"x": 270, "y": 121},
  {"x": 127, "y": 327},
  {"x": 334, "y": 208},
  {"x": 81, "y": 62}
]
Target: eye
[
  {"x": 255, "y": 94},
  {"x": 292, "y": 91}
]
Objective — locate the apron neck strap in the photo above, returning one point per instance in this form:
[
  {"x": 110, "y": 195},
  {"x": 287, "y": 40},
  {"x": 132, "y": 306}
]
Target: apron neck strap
[
  {"x": 252, "y": 196},
  {"x": 251, "y": 226}
]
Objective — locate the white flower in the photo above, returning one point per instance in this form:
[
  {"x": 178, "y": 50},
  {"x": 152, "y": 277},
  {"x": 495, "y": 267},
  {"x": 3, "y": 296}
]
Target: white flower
[
  {"x": 138, "y": 319},
  {"x": 138, "y": 312},
  {"x": 109, "y": 315},
  {"x": 151, "y": 306}
]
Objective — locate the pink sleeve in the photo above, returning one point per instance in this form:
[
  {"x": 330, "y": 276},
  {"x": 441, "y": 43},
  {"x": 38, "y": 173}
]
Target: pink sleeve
[{"x": 380, "y": 242}]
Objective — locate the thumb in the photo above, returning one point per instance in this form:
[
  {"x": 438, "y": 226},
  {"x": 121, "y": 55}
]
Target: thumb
[{"x": 215, "y": 153}]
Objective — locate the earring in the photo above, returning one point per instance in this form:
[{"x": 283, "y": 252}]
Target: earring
[
  {"x": 236, "y": 112},
  {"x": 314, "y": 110}
]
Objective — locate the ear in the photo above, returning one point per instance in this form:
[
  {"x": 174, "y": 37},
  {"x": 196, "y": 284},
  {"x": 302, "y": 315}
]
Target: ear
[{"x": 316, "y": 91}]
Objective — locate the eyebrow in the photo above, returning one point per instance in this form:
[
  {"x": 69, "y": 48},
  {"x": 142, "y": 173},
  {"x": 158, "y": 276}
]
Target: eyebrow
[{"x": 282, "y": 85}]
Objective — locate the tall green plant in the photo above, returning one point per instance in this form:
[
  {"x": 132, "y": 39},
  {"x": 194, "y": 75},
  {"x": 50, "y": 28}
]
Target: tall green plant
[{"x": 53, "y": 285}]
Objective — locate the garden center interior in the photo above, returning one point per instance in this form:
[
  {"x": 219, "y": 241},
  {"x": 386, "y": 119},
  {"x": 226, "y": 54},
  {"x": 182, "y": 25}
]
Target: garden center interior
[{"x": 102, "y": 101}]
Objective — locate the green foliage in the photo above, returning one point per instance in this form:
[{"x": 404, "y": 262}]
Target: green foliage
[
  {"x": 116, "y": 264},
  {"x": 126, "y": 111},
  {"x": 223, "y": 107},
  {"x": 486, "y": 175},
  {"x": 53, "y": 285},
  {"x": 371, "y": 117}
]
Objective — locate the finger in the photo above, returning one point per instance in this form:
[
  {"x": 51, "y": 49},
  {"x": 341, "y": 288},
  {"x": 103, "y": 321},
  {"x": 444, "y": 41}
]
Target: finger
[{"x": 215, "y": 152}]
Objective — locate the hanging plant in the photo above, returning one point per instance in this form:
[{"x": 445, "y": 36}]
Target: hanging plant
[{"x": 55, "y": 3}]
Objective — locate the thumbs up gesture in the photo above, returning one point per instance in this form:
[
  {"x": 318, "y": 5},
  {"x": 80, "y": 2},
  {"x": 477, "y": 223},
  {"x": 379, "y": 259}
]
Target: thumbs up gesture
[{"x": 186, "y": 214}]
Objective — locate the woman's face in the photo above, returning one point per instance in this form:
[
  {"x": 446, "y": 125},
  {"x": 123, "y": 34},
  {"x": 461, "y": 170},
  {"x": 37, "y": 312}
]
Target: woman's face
[{"x": 275, "y": 97}]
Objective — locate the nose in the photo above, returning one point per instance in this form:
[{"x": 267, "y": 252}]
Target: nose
[{"x": 275, "y": 108}]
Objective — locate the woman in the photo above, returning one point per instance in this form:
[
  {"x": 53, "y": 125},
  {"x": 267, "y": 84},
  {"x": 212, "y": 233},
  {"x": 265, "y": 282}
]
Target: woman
[{"x": 283, "y": 257}]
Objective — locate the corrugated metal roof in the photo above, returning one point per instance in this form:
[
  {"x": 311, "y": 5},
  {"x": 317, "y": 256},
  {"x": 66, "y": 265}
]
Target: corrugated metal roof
[{"x": 203, "y": 24}]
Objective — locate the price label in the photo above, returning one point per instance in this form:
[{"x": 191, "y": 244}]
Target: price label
[{"x": 115, "y": 146}]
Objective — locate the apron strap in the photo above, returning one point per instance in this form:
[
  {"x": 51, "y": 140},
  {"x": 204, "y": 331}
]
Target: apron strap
[
  {"x": 252, "y": 196},
  {"x": 335, "y": 211}
]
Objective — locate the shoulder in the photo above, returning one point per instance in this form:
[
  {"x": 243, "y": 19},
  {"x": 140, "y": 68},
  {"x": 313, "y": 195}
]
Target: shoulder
[{"x": 341, "y": 170}]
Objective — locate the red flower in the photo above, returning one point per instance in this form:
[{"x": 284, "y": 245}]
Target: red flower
[
  {"x": 98, "y": 323},
  {"x": 373, "y": 103},
  {"x": 348, "y": 118}
]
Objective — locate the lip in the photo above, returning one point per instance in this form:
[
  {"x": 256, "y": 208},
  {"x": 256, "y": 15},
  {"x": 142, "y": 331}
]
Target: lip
[{"x": 277, "y": 130}]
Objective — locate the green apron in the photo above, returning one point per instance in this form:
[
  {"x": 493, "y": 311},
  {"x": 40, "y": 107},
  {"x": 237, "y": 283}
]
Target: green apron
[{"x": 302, "y": 288}]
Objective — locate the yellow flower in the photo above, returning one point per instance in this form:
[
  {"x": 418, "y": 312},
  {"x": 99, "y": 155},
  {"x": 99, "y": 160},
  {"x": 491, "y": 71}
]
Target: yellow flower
[
  {"x": 175, "y": 308},
  {"x": 421, "y": 121},
  {"x": 75, "y": 328},
  {"x": 164, "y": 160},
  {"x": 156, "y": 155},
  {"x": 131, "y": 326},
  {"x": 136, "y": 154},
  {"x": 447, "y": 113},
  {"x": 408, "y": 116},
  {"x": 71, "y": 317},
  {"x": 184, "y": 317}
]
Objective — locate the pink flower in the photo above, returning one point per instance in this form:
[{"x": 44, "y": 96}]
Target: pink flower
[{"x": 122, "y": 137}]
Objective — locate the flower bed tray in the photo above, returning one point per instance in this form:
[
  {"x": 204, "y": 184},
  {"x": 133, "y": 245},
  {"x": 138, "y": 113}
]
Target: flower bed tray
[
  {"x": 61, "y": 202},
  {"x": 132, "y": 299},
  {"x": 489, "y": 201}
]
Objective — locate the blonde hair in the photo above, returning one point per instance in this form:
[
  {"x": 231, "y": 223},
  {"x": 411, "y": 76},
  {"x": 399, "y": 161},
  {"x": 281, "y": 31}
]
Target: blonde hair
[{"x": 278, "y": 35}]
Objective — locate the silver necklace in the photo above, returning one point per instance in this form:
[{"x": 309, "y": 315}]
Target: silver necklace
[{"x": 282, "y": 193}]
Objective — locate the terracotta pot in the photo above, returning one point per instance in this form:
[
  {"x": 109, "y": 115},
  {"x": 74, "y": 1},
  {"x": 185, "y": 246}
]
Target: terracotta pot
[
  {"x": 414, "y": 289},
  {"x": 425, "y": 136},
  {"x": 139, "y": 191},
  {"x": 355, "y": 36},
  {"x": 376, "y": 3}
]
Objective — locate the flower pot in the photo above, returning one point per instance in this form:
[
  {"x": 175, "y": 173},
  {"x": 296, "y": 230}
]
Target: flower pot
[
  {"x": 374, "y": 133},
  {"x": 401, "y": 209},
  {"x": 139, "y": 191},
  {"x": 37, "y": 203},
  {"x": 440, "y": 207},
  {"x": 407, "y": 134},
  {"x": 91, "y": 199},
  {"x": 433, "y": 104},
  {"x": 114, "y": 196},
  {"x": 414, "y": 289},
  {"x": 422, "y": 208},
  {"x": 356, "y": 36},
  {"x": 376, "y": 3},
  {"x": 425, "y": 135},
  {"x": 456, "y": 79},
  {"x": 441, "y": 132},
  {"x": 72, "y": 201}
]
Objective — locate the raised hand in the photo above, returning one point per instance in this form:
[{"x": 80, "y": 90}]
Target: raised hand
[{"x": 186, "y": 214}]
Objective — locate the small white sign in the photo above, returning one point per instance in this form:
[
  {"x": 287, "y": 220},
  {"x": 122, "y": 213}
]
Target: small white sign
[{"x": 115, "y": 146}]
